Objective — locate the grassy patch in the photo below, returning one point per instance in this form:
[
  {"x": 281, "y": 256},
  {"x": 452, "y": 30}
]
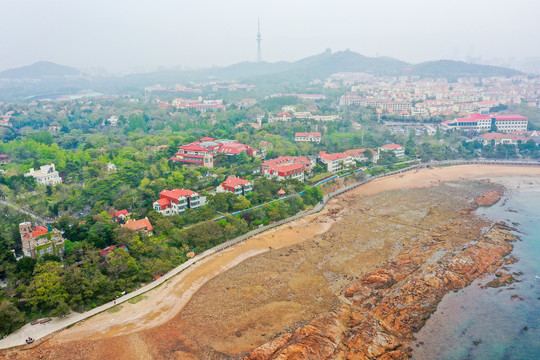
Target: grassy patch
[
  {"x": 137, "y": 299},
  {"x": 114, "y": 309}
]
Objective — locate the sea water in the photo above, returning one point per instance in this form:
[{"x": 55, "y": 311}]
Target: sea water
[{"x": 494, "y": 323}]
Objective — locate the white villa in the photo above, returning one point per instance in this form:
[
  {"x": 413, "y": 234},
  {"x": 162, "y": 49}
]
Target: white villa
[{"x": 46, "y": 175}]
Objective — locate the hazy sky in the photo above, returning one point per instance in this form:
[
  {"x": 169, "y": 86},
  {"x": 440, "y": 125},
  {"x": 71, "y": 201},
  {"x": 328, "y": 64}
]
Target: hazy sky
[{"x": 125, "y": 36}]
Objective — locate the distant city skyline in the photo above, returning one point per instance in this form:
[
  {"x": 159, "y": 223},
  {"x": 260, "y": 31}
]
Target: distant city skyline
[{"x": 125, "y": 37}]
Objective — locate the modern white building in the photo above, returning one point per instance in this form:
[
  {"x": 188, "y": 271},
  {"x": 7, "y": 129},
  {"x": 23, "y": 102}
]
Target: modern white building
[
  {"x": 478, "y": 122},
  {"x": 46, "y": 175}
]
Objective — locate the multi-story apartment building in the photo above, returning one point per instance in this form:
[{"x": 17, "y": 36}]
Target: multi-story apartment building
[
  {"x": 40, "y": 240},
  {"x": 175, "y": 202},
  {"x": 46, "y": 175}
]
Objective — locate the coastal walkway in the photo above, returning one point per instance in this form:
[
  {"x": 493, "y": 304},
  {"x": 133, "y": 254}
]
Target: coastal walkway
[{"x": 42, "y": 332}]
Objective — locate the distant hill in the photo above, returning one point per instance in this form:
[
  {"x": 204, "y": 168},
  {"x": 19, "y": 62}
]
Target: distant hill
[
  {"x": 452, "y": 70},
  {"x": 39, "y": 70},
  {"x": 279, "y": 76},
  {"x": 321, "y": 66}
]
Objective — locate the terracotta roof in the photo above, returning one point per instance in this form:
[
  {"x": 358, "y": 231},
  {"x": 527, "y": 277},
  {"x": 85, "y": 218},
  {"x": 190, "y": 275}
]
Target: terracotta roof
[
  {"x": 281, "y": 192},
  {"x": 509, "y": 117},
  {"x": 121, "y": 212},
  {"x": 233, "y": 148},
  {"x": 176, "y": 193},
  {"x": 38, "y": 231},
  {"x": 142, "y": 224},
  {"x": 193, "y": 147},
  {"x": 331, "y": 157},
  {"x": 392, "y": 146},
  {"x": 356, "y": 152},
  {"x": 500, "y": 136},
  {"x": 281, "y": 169},
  {"x": 234, "y": 181},
  {"x": 314, "y": 134}
]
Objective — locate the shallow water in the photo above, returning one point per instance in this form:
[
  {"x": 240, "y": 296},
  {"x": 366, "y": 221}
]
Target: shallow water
[{"x": 494, "y": 323}]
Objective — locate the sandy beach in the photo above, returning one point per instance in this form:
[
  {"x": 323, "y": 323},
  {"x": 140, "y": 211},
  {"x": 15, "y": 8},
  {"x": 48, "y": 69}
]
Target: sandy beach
[{"x": 166, "y": 302}]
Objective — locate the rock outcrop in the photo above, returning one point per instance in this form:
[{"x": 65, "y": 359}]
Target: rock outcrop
[{"x": 384, "y": 308}]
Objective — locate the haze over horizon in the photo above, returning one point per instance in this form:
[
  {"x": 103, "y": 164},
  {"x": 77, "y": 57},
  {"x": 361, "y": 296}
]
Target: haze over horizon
[{"x": 124, "y": 37}]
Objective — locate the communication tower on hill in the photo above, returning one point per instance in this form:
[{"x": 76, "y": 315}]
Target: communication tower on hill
[{"x": 259, "y": 39}]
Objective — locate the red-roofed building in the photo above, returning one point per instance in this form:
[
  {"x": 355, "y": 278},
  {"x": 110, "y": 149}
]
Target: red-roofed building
[
  {"x": 175, "y": 202},
  {"x": 4, "y": 159},
  {"x": 500, "y": 138},
  {"x": 478, "y": 122},
  {"x": 121, "y": 215},
  {"x": 203, "y": 151},
  {"x": 142, "y": 225},
  {"x": 107, "y": 250},
  {"x": 236, "y": 149},
  {"x": 282, "y": 116},
  {"x": 40, "y": 240},
  {"x": 397, "y": 149},
  {"x": 335, "y": 162},
  {"x": 286, "y": 167},
  {"x": 310, "y": 137},
  {"x": 236, "y": 186},
  {"x": 360, "y": 155}
]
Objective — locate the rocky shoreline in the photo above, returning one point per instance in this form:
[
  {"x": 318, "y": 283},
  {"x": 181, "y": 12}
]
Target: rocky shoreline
[
  {"x": 359, "y": 290},
  {"x": 382, "y": 310}
]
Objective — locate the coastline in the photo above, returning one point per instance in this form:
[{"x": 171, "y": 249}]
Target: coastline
[
  {"x": 508, "y": 298},
  {"x": 170, "y": 298}
]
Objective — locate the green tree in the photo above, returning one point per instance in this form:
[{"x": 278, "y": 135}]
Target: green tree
[
  {"x": 46, "y": 290},
  {"x": 10, "y": 317}
]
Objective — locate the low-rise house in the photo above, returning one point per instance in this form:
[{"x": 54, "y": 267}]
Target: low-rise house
[
  {"x": 121, "y": 216},
  {"x": 397, "y": 149},
  {"x": 175, "y": 202},
  {"x": 282, "y": 116},
  {"x": 309, "y": 137},
  {"x": 54, "y": 127},
  {"x": 360, "y": 155},
  {"x": 335, "y": 162},
  {"x": 286, "y": 167},
  {"x": 4, "y": 159},
  {"x": 142, "y": 225},
  {"x": 500, "y": 138},
  {"x": 236, "y": 186},
  {"x": 38, "y": 241},
  {"x": 46, "y": 175}
]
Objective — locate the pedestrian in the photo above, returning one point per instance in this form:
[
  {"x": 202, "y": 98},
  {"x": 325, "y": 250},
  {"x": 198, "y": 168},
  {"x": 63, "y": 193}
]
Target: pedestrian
[{"x": 114, "y": 302}]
